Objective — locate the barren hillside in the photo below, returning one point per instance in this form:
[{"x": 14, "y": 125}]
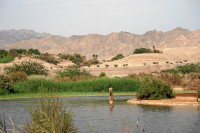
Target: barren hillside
[{"x": 111, "y": 44}]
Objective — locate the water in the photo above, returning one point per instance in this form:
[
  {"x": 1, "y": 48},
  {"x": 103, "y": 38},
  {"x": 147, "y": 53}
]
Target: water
[{"x": 96, "y": 113}]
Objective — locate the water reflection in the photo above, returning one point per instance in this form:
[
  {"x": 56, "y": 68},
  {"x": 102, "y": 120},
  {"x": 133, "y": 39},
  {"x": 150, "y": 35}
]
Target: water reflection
[
  {"x": 107, "y": 119},
  {"x": 156, "y": 108},
  {"x": 111, "y": 108}
]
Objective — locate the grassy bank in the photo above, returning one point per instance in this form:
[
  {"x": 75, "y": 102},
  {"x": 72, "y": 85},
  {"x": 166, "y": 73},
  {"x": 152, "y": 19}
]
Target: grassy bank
[
  {"x": 92, "y": 85},
  {"x": 61, "y": 94}
]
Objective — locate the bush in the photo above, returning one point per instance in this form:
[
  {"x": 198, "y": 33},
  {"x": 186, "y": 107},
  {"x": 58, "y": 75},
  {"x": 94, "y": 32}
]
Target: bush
[
  {"x": 145, "y": 50},
  {"x": 141, "y": 76},
  {"x": 188, "y": 68},
  {"x": 7, "y": 59},
  {"x": 173, "y": 78},
  {"x": 73, "y": 71},
  {"x": 48, "y": 58},
  {"x": 17, "y": 76},
  {"x": 33, "y": 51},
  {"x": 117, "y": 57},
  {"x": 13, "y": 52},
  {"x": 5, "y": 86},
  {"x": 142, "y": 50},
  {"x": 154, "y": 90},
  {"x": 50, "y": 117},
  {"x": 29, "y": 67},
  {"x": 102, "y": 74},
  {"x": 3, "y": 53}
]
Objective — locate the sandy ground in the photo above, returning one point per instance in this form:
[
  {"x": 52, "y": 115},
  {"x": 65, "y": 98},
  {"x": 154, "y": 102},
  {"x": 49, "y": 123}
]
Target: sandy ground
[
  {"x": 51, "y": 67},
  {"x": 186, "y": 99},
  {"x": 171, "y": 57},
  {"x": 136, "y": 63}
]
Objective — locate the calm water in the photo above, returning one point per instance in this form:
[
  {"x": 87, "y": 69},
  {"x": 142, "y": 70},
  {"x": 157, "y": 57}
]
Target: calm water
[{"x": 95, "y": 112}]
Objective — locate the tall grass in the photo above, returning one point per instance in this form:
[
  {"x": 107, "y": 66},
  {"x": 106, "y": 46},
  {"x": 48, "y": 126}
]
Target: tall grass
[
  {"x": 92, "y": 85},
  {"x": 50, "y": 117}
]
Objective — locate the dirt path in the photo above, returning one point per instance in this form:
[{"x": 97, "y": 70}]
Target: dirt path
[{"x": 185, "y": 99}]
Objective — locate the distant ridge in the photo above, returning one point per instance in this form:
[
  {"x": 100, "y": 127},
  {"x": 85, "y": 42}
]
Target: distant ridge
[
  {"x": 109, "y": 45},
  {"x": 13, "y": 36}
]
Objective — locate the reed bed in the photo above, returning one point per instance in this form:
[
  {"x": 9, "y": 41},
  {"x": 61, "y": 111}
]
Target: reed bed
[{"x": 92, "y": 85}]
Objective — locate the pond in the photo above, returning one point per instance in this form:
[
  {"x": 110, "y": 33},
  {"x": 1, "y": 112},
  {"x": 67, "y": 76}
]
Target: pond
[{"x": 95, "y": 113}]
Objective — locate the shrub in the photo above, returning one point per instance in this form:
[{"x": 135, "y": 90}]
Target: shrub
[
  {"x": 125, "y": 65},
  {"x": 102, "y": 74},
  {"x": 142, "y": 50},
  {"x": 5, "y": 86},
  {"x": 154, "y": 90},
  {"x": 48, "y": 58},
  {"x": 50, "y": 117},
  {"x": 173, "y": 78},
  {"x": 73, "y": 71},
  {"x": 117, "y": 57},
  {"x": 106, "y": 66},
  {"x": 29, "y": 67},
  {"x": 17, "y": 76},
  {"x": 33, "y": 51},
  {"x": 188, "y": 68},
  {"x": 7, "y": 59},
  {"x": 141, "y": 76},
  {"x": 3, "y": 53},
  {"x": 13, "y": 52}
]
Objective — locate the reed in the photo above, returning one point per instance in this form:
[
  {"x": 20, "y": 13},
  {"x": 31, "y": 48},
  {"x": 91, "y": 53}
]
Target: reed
[{"x": 92, "y": 85}]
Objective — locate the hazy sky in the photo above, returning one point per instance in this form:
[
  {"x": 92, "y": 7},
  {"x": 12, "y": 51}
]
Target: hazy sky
[{"x": 81, "y": 17}]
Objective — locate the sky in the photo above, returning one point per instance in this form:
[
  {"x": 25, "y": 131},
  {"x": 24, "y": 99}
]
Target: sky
[{"x": 82, "y": 17}]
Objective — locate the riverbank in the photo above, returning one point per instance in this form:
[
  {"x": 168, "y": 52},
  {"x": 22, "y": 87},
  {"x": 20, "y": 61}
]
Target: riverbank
[
  {"x": 185, "y": 99},
  {"x": 61, "y": 94}
]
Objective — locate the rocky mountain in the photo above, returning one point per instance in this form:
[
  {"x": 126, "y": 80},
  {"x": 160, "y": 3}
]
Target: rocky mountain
[
  {"x": 13, "y": 36},
  {"x": 106, "y": 46}
]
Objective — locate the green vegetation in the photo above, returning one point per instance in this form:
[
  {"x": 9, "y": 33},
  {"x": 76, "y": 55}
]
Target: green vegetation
[
  {"x": 7, "y": 59},
  {"x": 9, "y": 56},
  {"x": 189, "y": 81},
  {"x": 50, "y": 116},
  {"x": 33, "y": 51},
  {"x": 5, "y": 85},
  {"x": 3, "y": 53},
  {"x": 154, "y": 90},
  {"x": 17, "y": 76},
  {"x": 91, "y": 85},
  {"x": 29, "y": 67},
  {"x": 188, "y": 68},
  {"x": 142, "y": 50},
  {"x": 60, "y": 94},
  {"x": 102, "y": 74},
  {"x": 48, "y": 58},
  {"x": 75, "y": 58},
  {"x": 72, "y": 72},
  {"x": 80, "y": 60},
  {"x": 12, "y": 52},
  {"x": 117, "y": 57},
  {"x": 145, "y": 50}
]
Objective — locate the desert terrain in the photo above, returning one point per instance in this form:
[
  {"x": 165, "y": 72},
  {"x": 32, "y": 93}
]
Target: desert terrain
[{"x": 136, "y": 63}]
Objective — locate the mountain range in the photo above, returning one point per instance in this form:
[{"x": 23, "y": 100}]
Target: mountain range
[{"x": 105, "y": 46}]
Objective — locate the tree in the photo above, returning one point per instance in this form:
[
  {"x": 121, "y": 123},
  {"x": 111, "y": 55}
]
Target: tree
[{"x": 13, "y": 52}]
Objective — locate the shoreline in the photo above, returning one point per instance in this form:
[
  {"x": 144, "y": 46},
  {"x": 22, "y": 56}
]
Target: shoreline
[
  {"x": 62, "y": 94},
  {"x": 186, "y": 99}
]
